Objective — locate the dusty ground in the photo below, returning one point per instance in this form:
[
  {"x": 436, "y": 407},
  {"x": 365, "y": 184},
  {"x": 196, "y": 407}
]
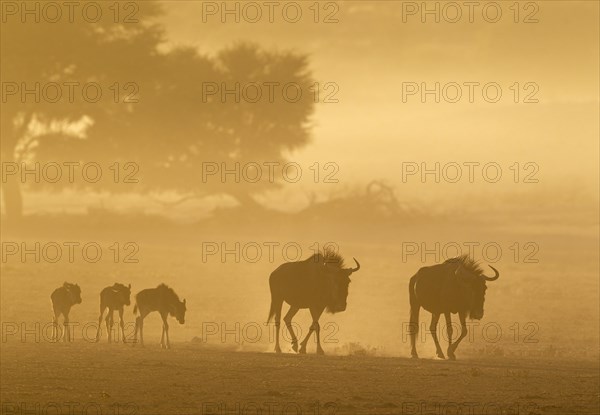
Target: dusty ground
[
  {"x": 539, "y": 356},
  {"x": 189, "y": 379}
]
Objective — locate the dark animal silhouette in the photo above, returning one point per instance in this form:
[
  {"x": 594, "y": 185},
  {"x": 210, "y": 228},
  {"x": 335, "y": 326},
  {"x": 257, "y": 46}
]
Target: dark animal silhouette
[
  {"x": 63, "y": 298},
  {"x": 164, "y": 300},
  {"x": 115, "y": 297},
  {"x": 455, "y": 286},
  {"x": 317, "y": 283}
]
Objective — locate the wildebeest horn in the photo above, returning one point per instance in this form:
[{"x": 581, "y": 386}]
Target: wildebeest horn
[
  {"x": 357, "y": 265},
  {"x": 495, "y": 277}
]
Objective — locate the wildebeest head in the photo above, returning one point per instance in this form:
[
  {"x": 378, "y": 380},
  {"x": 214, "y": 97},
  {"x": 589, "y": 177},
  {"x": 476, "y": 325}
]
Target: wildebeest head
[
  {"x": 128, "y": 294},
  {"x": 74, "y": 292},
  {"x": 125, "y": 292},
  {"x": 175, "y": 306},
  {"x": 339, "y": 279},
  {"x": 473, "y": 279},
  {"x": 180, "y": 311}
]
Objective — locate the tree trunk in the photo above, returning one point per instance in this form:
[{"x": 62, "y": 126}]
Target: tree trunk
[
  {"x": 11, "y": 187},
  {"x": 11, "y": 193},
  {"x": 13, "y": 199}
]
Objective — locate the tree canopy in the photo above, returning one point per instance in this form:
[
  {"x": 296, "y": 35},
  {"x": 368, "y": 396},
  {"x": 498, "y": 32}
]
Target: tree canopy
[{"x": 166, "y": 111}]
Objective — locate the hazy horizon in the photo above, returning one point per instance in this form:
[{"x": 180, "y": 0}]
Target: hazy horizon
[{"x": 314, "y": 207}]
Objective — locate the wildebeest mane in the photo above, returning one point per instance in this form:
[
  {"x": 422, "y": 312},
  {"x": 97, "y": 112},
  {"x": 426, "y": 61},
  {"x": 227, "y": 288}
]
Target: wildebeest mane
[
  {"x": 330, "y": 257},
  {"x": 169, "y": 291},
  {"x": 70, "y": 286},
  {"x": 118, "y": 287},
  {"x": 468, "y": 263}
]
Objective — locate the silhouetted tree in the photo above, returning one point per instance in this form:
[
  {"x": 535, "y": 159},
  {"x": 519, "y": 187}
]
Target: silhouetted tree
[{"x": 162, "y": 118}]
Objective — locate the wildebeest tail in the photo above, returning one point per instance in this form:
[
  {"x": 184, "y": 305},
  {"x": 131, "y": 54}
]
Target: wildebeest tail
[
  {"x": 276, "y": 300},
  {"x": 413, "y": 326},
  {"x": 272, "y": 311},
  {"x": 135, "y": 308}
]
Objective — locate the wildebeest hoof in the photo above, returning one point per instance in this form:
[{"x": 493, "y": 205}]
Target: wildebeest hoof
[
  {"x": 295, "y": 346},
  {"x": 302, "y": 350},
  {"x": 441, "y": 356},
  {"x": 414, "y": 356},
  {"x": 451, "y": 356},
  {"x": 278, "y": 349},
  {"x": 320, "y": 351}
]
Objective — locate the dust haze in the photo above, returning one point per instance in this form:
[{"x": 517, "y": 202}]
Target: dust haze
[{"x": 202, "y": 145}]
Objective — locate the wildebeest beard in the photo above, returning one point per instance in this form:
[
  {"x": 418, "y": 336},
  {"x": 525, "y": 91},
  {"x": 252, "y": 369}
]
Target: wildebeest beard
[
  {"x": 476, "y": 311},
  {"x": 335, "y": 308},
  {"x": 476, "y": 314},
  {"x": 475, "y": 280},
  {"x": 339, "y": 292}
]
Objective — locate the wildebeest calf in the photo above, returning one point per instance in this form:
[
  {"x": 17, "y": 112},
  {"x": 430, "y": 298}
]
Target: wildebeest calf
[
  {"x": 63, "y": 298},
  {"x": 164, "y": 300},
  {"x": 115, "y": 297}
]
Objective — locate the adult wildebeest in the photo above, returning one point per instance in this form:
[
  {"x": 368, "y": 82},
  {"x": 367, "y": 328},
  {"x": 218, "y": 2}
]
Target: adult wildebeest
[
  {"x": 164, "y": 300},
  {"x": 115, "y": 297},
  {"x": 455, "y": 286},
  {"x": 317, "y": 283},
  {"x": 63, "y": 298}
]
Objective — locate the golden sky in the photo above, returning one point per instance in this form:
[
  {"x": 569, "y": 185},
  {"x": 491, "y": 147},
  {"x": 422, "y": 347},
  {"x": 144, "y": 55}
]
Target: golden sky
[{"x": 370, "y": 52}]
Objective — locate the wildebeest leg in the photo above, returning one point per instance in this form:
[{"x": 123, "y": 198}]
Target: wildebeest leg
[
  {"x": 413, "y": 329},
  {"x": 141, "y": 330},
  {"x": 313, "y": 327},
  {"x": 67, "y": 334},
  {"x": 55, "y": 326},
  {"x": 139, "y": 325},
  {"x": 288, "y": 323},
  {"x": 122, "y": 323},
  {"x": 449, "y": 331},
  {"x": 276, "y": 305},
  {"x": 316, "y": 315},
  {"x": 109, "y": 323},
  {"x": 135, "y": 329},
  {"x": 102, "y": 308},
  {"x": 463, "y": 333},
  {"x": 165, "y": 332},
  {"x": 433, "y": 330},
  {"x": 162, "y": 333}
]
